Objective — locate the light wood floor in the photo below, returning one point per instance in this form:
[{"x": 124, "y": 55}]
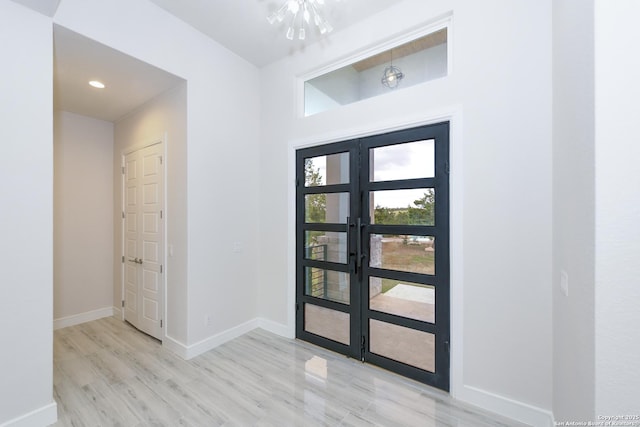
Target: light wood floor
[{"x": 108, "y": 374}]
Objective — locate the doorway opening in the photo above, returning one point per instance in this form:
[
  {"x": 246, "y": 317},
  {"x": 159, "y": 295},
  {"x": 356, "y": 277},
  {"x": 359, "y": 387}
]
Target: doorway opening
[
  {"x": 93, "y": 128},
  {"x": 372, "y": 250}
]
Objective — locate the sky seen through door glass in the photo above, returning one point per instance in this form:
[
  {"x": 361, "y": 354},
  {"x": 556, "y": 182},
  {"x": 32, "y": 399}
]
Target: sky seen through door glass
[{"x": 393, "y": 162}]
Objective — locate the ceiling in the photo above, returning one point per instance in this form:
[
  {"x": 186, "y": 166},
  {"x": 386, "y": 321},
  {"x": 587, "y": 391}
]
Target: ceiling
[
  {"x": 239, "y": 25},
  {"x": 129, "y": 81},
  {"x": 46, "y": 7}
]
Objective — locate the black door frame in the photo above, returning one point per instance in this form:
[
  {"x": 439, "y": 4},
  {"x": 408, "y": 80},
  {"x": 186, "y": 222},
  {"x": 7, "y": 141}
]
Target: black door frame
[{"x": 358, "y": 231}]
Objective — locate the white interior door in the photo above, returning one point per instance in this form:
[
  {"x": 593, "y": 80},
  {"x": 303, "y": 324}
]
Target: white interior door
[
  {"x": 144, "y": 239},
  {"x": 131, "y": 245}
]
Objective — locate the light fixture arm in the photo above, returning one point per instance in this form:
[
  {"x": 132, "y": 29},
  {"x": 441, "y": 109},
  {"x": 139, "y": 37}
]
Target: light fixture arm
[{"x": 309, "y": 11}]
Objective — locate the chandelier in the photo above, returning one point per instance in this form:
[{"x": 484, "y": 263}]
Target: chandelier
[{"x": 301, "y": 14}]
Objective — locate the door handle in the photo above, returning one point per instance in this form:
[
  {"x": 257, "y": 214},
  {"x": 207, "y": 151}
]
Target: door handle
[
  {"x": 359, "y": 255},
  {"x": 136, "y": 260},
  {"x": 349, "y": 253}
]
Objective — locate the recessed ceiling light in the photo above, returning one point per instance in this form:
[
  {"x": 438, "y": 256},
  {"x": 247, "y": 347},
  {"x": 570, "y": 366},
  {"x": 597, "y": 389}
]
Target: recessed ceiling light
[{"x": 97, "y": 84}]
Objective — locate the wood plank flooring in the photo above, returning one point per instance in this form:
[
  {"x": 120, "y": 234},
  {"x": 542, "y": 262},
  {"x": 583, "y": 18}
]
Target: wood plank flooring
[{"x": 108, "y": 374}]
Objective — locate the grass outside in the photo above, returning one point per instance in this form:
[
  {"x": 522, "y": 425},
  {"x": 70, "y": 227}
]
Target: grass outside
[
  {"x": 405, "y": 257},
  {"x": 388, "y": 284}
]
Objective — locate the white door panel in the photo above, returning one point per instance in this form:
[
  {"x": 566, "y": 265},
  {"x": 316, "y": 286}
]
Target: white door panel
[{"x": 144, "y": 239}]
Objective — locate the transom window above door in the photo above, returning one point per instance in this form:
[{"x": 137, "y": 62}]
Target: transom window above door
[{"x": 410, "y": 61}]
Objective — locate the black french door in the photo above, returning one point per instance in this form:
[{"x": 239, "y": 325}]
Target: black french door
[{"x": 372, "y": 250}]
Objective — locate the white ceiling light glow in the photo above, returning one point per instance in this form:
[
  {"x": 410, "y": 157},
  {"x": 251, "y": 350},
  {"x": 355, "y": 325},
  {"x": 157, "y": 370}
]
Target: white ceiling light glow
[
  {"x": 301, "y": 15},
  {"x": 96, "y": 84}
]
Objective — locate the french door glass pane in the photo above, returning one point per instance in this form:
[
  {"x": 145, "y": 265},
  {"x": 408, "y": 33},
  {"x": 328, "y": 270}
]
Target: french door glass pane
[
  {"x": 409, "y": 346},
  {"x": 415, "y": 254},
  {"x": 327, "y": 323},
  {"x": 326, "y": 208},
  {"x": 326, "y": 170},
  {"x": 403, "y": 207},
  {"x": 402, "y": 161},
  {"x": 402, "y": 298},
  {"x": 325, "y": 246},
  {"x": 327, "y": 284}
]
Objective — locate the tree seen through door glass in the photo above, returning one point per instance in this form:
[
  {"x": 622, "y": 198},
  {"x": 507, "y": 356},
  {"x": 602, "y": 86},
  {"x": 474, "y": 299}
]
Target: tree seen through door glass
[
  {"x": 326, "y": 208},
  {"x": 403, "y": 207},
  {"x": 402, "y": 161},
  {"x": 326, "y": 170}
]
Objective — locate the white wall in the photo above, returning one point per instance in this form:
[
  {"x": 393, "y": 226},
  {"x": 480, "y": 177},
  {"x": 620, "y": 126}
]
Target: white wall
[
  {"x": 617, "y": 240},
  {"x": 223, "y": 113},
  {"x": 573, "y": 210},
  {"x": 165, "y": 116},
  {"x": 500, "y": 91},
  {"x": 26, "y": 217},
  {"x": 83, "y": 215}
]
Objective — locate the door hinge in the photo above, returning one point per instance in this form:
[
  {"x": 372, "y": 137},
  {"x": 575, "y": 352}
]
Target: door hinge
[
  {"x": 122, "y": 258},
  {"x": 122, "y": 214},
  {"x": 122, "y": 170},
  {"x": 297, "y": 182},
  {"x": 161, "y": 323},
  {"x": 160, "y": 159},
  {"x": 160, "y": 268},
  {"x": 447, "y": 347},
  {"x": 122, "y": 303},
  {"x": 160, "y": 214},
  {"x": 362, "y": 348},
  {"x": 297, "y": 307}
]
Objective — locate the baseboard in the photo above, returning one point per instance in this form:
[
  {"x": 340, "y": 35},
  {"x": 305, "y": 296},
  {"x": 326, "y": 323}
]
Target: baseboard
[
  {"x": 518, "y": 411},
  {"x": 117, "y": 313},
  {"x": 220, "y": 338},
  {"x": 175, "y": 346},
  {"x": 276, "y": 328},
  {"x": 190, "y": 351},
  {"x": 44, "y": 416},
  {"x": 77, "y": 319}
]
